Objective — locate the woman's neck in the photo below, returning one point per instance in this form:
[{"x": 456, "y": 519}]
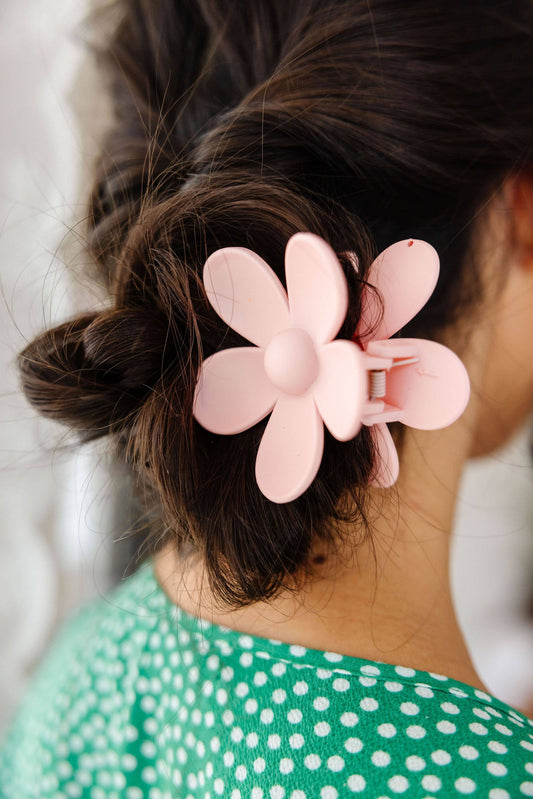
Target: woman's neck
[{"x": 387, "y": 599}]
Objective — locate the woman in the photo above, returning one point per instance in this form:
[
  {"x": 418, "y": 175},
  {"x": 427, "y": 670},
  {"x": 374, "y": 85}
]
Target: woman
[{"x": 308, "y": 647}]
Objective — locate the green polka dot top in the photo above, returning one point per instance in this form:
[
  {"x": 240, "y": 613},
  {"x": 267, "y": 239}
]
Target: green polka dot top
[{"x": 139, "y": 700}]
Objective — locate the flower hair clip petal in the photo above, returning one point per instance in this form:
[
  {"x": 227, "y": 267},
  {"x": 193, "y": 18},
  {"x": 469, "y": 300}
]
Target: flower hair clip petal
[
  {"x": 418, "y": 382},
  {"x": 297, "y": 371}
]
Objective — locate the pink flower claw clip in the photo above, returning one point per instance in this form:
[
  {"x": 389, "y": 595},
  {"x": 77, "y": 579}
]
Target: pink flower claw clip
[{"x": 303, "y": 376}]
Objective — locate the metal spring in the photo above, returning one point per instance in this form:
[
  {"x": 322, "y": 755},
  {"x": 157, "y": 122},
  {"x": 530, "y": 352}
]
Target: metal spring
[{"x": 377, "y": 383}]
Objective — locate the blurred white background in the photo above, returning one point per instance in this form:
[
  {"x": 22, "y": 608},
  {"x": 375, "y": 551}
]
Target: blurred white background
[{"x": 58, "y": 510}]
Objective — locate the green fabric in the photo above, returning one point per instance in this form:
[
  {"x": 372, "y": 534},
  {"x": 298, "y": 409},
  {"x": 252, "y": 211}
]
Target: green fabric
[{"x": 141, "y": 700}]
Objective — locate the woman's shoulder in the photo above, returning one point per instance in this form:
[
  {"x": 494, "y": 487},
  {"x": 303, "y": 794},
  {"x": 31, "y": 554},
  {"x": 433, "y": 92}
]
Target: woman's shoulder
[
  {"x": 136, "y": 692},
  {"x": 88, "y": 658}
]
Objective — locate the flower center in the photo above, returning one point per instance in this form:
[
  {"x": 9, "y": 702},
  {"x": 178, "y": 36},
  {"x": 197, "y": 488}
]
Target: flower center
[{"x": 291, "y": 361}]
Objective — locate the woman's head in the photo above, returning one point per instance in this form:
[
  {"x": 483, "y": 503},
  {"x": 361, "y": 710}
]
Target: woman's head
[{"x": 240, "y": 124}]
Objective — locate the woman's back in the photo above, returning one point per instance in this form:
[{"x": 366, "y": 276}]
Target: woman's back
[{"x": 140, "y": 699}]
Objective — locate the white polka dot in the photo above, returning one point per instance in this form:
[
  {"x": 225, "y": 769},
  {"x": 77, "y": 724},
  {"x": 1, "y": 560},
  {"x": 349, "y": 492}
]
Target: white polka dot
[
  {"x": 349, "y": 719},
  {"x": 526, "y": 788},
  {"x": 277, "y": 792},
  {"x": 468, "y": 752},
  {"x": 229, "y": 759},
  {"x": 259, "y": 765},
  {"x": 353, "y": 745},
  {"x": 441, "y": 758},
  {"x": 328, "y": 792},
  {"x": 398, "y": 784},
  {"x": 477, "y": 728},
  {"x": 404, "y": 672},
  {"x": 446, "y": 727},
  {"x": 502, "y": 728},
  {"x": 286, "y": 765},
  {"x": 222, "y": 696},
  {"x": 409, "y": 708},
  {"x": 371, "y": 671},
  {"x": 431, "y": 783},
  {"x": 246, "y": 659},
  {"x": 529, "y": 768},
  {"x": 321, "y": 703},
  {"x": 496, "y": 769},
  {"x": 497, "y": 747},
  {"x": 246, "y": 642},
  {"x": 251, "y": 706},
  {"x": 236, "y": 735},
  {"x": 415, "y": 731},
  {"x": 323, "y": 674},
  {"x": 333, "y": 657},
  {"x": 322, "y": 728},
  {"x": 483, "y": 695},
  {"x": 267, "y": 715},
  {"x": 335, "y": 763},
  {"x": 300, "y": 688},
  {"x": 387, "y": 730},
  {"x": 341, "y": 685},
  {"x": 380, "y": 758},
  {"x": 226, "y": 673},
  {"x": 465, "y": 785},
  {"x": 440, "y": 677},
  {"x": 279, "y": 669},
  {"x": 499, "y": 793},
  {"x": 219, "y": 786},
  {"x": 394, "y": 687},
  {"x": 241, "y": 773},
  {"x": 296, "y": 741},
  {"x": 415, "y": 763},
  {"x": 260, "y": 678},
  {"x": 294, "y": 716},
  {"x": 252, "y": 739},
  {"x": 481, "y": 714},
  {"x": 298, "y": 794},
  {"x": 368, "y": 704},
  {"x": 449, "y": 707},
  {"x": 274, "y": 741},
  {"x": 356, "y": 783},
  {"x": 297, "y": 651},
  {"x": 312, "y": 762},
  {"x": 257, "y": 793},
  {"x": 228, "y": 717},
  {"x": 527, "y": 745},
  {"x": 458, "y": 692},
  {"x": 424, "y": 691},
  {"x": 149, "y": 775},
  {"x": 235, "y": 794},
  {"x": 279, "y": 696}
]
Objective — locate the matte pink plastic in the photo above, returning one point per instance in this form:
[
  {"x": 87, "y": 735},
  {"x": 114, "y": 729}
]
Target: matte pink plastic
[
  {"x": 387, "y": 466},
  {"x": 233, "y": 391},
  {"x": 246, "y": 294},
  {"x": 294, "y": 431},
  {"x": 305, "y": 377},
  {"x": 317, "y": 288},
  {"x": 432, "y": 393},
  {"x": 405, "y": 275}
]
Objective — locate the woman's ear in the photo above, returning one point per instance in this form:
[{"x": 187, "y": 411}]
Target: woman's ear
[{"x": 519, "y": 199}]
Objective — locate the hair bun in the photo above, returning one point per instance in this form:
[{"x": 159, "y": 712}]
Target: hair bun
[
  {"x": 126, "y": 347},
  {"x": 94, "y": 371}
]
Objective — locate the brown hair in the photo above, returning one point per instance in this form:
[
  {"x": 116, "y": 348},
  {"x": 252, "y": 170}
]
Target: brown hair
[{"x": 241, "y": 123}]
